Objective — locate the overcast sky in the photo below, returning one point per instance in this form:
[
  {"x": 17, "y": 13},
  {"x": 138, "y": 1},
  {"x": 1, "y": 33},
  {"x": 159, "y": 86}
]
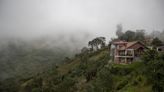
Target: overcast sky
[{"x": 32, "y": 18}]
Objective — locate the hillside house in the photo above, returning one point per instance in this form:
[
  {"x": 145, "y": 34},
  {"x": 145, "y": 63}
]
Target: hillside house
[{"x": 126, "y": 52}]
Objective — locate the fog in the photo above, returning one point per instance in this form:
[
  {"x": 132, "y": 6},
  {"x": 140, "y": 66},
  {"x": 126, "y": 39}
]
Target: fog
[
  {"x": 64, "y": 27},
  {"x": 84, "y": 18}
]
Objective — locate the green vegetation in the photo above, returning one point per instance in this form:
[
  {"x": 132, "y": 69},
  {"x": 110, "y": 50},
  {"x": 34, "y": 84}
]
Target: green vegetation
[
  {"x": 155, "y": 69},
  {"x": 156, "y": 42},
  {"x": 130, "y": 35},
  {"x": 22, "y": 60},
  {"x": 25, "y": 68},
  {"x": 91, "y": 72}
]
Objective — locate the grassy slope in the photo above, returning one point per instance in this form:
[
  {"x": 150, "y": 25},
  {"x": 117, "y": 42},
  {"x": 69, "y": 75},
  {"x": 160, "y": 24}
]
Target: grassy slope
[
  {"x": 132, "y": 81},
  {"x": 140, "y": 86},
  {"x": 136, "y": 81},
  {"x": 95, "y": 57},
  {"x": 64, "y": 69}
]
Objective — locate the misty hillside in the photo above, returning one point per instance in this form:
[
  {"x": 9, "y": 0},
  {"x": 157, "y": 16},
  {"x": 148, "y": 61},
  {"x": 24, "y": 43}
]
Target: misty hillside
[
  {"x": 25, "y": 58},
  {"x": 81, "y": 45},
  {"x": 58, "y": 65},
  {"x": 93, "y": 72},
  {"x": 54, "y": 65}
]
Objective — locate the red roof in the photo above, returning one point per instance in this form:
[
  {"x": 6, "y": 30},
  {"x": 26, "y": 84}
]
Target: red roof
[
  {"x": 119, "y": 42},
  {"x": 129, "y": 45}
]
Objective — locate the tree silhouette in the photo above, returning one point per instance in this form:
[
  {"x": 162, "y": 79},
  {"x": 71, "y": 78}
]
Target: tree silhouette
[
  {"x": 156, "y": 42},
  {"x": 90, "y": 43},
  {"x": 119, "y": 32},
  {"x": 97, "y": 42}
]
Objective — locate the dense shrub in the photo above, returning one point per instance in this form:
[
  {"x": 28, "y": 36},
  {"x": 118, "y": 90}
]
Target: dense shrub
[
  {"x": 36, "y": 90},
  {"x": 103, "y": 82},
  {"x": 68, "y": 85},
  {"x": 122, "y": 84},
  {"x": 120, "y": 71},
  {"x": 155, "y": 69}
]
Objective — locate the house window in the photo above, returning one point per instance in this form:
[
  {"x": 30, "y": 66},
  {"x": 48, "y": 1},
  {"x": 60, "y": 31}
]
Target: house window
[
  {"x": 129, "y": 53},
  {"x": 159, "y": 49},
  {"x": 122, "y": 53}
]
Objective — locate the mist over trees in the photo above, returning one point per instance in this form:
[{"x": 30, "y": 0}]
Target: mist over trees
[
  {"x": 20, "y": 59},
  {"x": 154, "y": 38},
  {"x": 129, "y": 35},
  {"x": 119, "y": 30},
  {"x": 156, "y": 42},
  {"x": 65, "y": 46},
  {"x": 41, "y": 65},
  {"x": 24, "y": 58},
  {"x": 158, "y": 34}
]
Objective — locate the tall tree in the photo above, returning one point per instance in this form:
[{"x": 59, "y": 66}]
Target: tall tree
[
  {"x": 99, "y": 42},
  {"x": 96, "y": 43},
  {"x": 128, "y": 36},
  {"x": 91, "y": 43},
  {"x": 140, "y": 35},
  {"x": 156, "y": 42},
  {"x": 103, "y": 39},
  {"x": 119, "y": 29}
]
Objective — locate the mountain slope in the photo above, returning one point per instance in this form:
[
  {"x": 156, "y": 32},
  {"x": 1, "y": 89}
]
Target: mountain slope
[
  {"x": 23, "y": 59},
  {"x": 88, "y": 72}
]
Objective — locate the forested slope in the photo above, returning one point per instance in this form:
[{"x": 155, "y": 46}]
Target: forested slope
[
  {"x": 22, "y": 59},
  {"x": 92, "y": 72}
]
